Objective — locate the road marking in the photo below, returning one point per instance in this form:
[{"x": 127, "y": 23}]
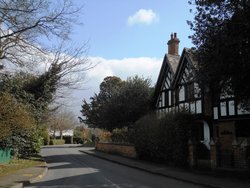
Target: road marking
[{"x": 112, "y": 183}]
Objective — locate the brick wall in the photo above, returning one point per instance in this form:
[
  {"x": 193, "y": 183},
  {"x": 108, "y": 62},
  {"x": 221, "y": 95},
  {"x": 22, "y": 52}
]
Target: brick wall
[
  {"x": 123, "y": 150},
  {"x": 241, "y": 155}
]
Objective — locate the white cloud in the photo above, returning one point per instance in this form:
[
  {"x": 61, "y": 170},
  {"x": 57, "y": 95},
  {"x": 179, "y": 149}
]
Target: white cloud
[
  {"x": 144, "y": 17},
  {"x": 124, "y": 68}
]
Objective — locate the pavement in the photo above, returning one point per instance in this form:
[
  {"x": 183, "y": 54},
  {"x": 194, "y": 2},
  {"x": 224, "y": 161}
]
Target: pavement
[
  {"x": 24, "y": 177},
  {"x": 221, "y": 178},
  {"x": 214, "y": 179}
]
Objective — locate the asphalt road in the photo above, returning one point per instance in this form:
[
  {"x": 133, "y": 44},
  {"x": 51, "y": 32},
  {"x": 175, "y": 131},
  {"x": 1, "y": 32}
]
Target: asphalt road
[{"x": 70, "y": 168}]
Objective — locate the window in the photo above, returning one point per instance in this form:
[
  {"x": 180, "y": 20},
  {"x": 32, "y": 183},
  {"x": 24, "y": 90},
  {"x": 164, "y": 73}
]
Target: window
[
  {"x": 215, "y": 112},
  {"x": 231, "y": 107},
  {"x": 182, "y": 94},
  {"x": 223, "y": 108},
  {"x": 192, "y": 107},
  {"x": 159, "y": 102},
  {"x": 198, "y": 107},
  {"x": 163, "y": 99},
  {"x": 169, "y": 98},
  {"x": 189, "y": 93}
]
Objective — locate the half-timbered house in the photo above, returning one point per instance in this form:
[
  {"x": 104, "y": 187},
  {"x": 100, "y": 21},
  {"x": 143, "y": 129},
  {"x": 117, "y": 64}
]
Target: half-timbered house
[{"x": 220, "y": 119}]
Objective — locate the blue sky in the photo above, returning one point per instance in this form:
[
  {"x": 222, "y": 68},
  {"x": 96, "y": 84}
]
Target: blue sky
[
  {"x": 105, "y": 25},
  {"x": 128, "y": 38}
]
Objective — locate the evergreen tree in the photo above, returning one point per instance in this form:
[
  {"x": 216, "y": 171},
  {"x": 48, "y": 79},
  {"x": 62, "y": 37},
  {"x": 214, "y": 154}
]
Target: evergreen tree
[{"x": 222, "y": 38}]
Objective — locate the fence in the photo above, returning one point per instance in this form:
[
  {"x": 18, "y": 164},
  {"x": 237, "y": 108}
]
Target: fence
[{"x": 5, "y": 155}]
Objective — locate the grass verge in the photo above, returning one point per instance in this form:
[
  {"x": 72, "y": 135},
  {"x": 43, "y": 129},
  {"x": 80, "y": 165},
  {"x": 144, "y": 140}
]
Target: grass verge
[{"x": 17, "y": 164}]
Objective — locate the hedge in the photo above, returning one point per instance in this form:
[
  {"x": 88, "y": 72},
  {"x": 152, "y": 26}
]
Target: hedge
[
  {"x": 163, "y": 139},
  {"x": 57, "y": 142}
]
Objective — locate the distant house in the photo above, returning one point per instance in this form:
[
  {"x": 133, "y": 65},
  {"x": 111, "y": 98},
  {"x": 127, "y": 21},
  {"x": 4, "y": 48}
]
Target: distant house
[{"x": 220, "y": 118}]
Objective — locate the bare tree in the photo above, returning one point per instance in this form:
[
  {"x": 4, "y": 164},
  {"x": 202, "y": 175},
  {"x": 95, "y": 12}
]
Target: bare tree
[
  {"x": 72, "y": 63},
  {"x": 61, "y": 121},
  {"x": 26, "y": 25}
]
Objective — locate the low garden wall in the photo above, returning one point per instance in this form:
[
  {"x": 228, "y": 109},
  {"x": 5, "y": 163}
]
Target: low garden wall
[{"x": 120, "y": 149}]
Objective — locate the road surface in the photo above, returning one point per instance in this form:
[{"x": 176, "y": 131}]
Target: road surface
[{"x": 70, "y": 168}]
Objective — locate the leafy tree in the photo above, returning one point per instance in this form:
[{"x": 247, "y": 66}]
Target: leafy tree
[
  {"x": 78, "y": 134},
  {"x": 134, "y": 99},
  {"x": 222, "y": 38},
  {"x": 37, "y": 92},
  {"x": 119, "y": 103},
  {"x": 97, "y": 111},
  {"x": 110, "y": 87}
]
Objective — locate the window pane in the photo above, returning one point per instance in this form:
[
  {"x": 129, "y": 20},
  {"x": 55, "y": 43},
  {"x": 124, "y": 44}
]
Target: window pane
[
  {"x": 198, "y": 107},
  {"x": 169, "y": 98},
  {"x": 159, "y": 102},
  {"x": 223, "y": 108},
  {"x": 192, "y": 107},
  {"x": 163, "y": 99},
  {"x": 182, "y": 94},
  {"x": 215, "y": 112},
  {"x": 231, "y": 108}
]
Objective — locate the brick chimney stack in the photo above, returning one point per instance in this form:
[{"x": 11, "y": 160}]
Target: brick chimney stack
[{"x": 173, "y": 45}]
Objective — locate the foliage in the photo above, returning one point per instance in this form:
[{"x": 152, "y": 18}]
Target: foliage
[
  {"x": 105, "y": 136},
  {"x": 78, "y": 134},
  {"x": 88, "y": 144},
  {"x": 97, "y": 112},
  {"x": 87, "y": 135},
  {"x": 118, "y": 104},
  {"x": 27, "y": 28},
  {"x": 221, "y": 36},
  {"x": 133, "y": 101},
  {"x": 120, "y": 135},
  {"x": 165, "y": 139},
  {"x": 37, "y": 92},
  {"x": 44, "y": 133},
  {"x": 19, "y": 128},
  {"x": 57, "y": 142}
]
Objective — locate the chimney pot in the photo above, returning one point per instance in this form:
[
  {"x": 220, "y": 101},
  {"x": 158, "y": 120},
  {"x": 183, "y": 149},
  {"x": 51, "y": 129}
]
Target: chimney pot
[{"x": 173, "y": 45}]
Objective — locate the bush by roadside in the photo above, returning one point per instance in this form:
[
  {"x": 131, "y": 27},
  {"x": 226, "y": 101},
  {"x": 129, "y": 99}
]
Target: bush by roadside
[
  {"x": 57, "y": 142},
  {"x": 88, "y": 144},
  {"x": 163, "y": 139},
  {"x": 18, "y": 127}
]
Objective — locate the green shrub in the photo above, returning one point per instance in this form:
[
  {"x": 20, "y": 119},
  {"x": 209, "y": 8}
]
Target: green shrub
[
  {"x": 88, "y": 144},
  {"x": 163, "y": 139},
  {"x": 57, "y": 142},
  {"x": 120, "y": 135},
  {"x": 105, "y": 136},
  {"x": 44, "y": 133},
  {"x": 18, "y": 127}
]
